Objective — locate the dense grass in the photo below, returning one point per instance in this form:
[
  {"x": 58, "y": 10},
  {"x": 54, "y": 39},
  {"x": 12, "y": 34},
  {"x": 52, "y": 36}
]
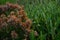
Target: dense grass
[{"x": 45, "y": 15}]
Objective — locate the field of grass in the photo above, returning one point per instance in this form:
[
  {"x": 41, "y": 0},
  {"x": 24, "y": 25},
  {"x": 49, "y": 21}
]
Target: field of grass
[{"x": 45, "y": 16}]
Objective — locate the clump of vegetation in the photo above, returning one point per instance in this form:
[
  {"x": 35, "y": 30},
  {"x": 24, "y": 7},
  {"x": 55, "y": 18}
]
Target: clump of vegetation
[{"x": 16, "y": 25}]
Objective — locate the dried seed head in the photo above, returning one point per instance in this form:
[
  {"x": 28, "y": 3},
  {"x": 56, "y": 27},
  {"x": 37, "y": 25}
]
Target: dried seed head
[
  {"x": 28, "y": 23},
  {"x": 12, "y": 13},
  {"x": 16, "y": 6},
  {"x": 8, "y": 16},
  {"x": 19, "y": 8},
  {"x": 3, "y": 15},
  {"x": 28, "y": 31},
  {"x": 21, "y": 12},
  {"x": 14, "y": 34},
  {"x": 9, "y": 4},
  {"x": 14, "y": 17},
  {"x": 4, "y": 24},
  {"x": 17, "y": 20}
]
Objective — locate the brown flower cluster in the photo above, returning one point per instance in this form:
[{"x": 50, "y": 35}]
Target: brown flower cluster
[{"x": 15, "y": 18}]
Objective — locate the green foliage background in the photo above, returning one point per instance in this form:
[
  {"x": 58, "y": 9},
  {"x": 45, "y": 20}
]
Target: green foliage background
[{"x": 45, "y": 15}]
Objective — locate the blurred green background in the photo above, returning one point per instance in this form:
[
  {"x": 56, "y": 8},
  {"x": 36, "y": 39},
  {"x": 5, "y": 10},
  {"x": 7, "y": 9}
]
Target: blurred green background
[{"x": 45, "y": 16}]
